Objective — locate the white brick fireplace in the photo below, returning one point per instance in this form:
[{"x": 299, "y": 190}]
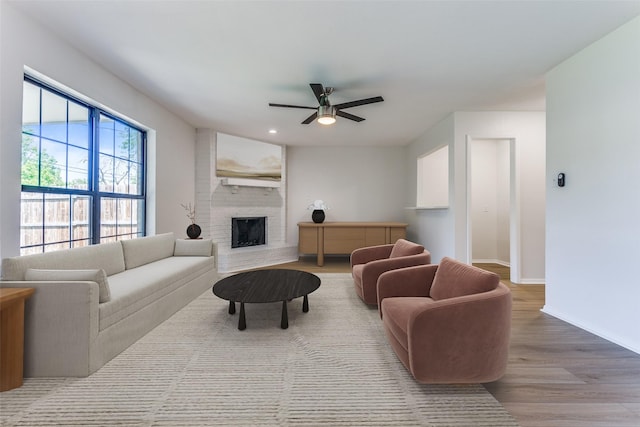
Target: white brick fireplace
[{"x": 217, "y": 203}]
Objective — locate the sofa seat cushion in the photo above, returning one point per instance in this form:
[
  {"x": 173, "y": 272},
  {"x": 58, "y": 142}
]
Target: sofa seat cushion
[
  {"x": 455, "y": 279},
  {"x": 397, "y": 313},
  {"x": 135, "y": 289},
  {"x": 396, "y": 319},
  {"x": 356, "y": 273},
  {"x": 106, "y": 256}
]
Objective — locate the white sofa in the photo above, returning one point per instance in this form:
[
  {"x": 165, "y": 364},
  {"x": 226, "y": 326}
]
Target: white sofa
[{"x": 93, "y": 302}]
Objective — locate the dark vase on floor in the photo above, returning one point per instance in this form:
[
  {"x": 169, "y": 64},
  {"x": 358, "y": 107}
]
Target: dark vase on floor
[
  {"x": 317, "y": 216},
  {"x": 193, "y": 231}
]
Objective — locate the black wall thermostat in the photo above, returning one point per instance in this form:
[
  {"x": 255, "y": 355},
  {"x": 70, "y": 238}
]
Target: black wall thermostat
[{"x": 561, "y": 179}]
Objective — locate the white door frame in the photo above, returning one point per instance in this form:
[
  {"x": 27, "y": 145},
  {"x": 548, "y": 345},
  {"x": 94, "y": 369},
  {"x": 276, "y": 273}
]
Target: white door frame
[{"x": 514, "y": 205}]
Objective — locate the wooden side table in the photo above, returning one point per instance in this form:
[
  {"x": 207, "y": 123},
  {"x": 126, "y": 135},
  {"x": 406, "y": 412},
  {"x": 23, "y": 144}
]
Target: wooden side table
[{"x": 12, "y": 336}]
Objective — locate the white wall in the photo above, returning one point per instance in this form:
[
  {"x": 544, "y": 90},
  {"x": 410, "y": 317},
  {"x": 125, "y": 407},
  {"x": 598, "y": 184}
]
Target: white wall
[
  {"x": 26, "y": 43},
  {"x": 503, "y": 201},
  {"x": 432, "y": 228},
  {"x": 358, "y": 184},
  {"x": 593, "y": 223},
  {"x": 444, "y": 231}
]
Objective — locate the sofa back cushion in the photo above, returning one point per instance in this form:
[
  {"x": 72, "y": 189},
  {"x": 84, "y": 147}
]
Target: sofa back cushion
[
  {"x": 192, "y": 247},
  {"x": 404, "y": 247},
  {"x": 454, "y": 279},
  {"x": 144, "y": 250},
  {"x": 106, "y": 256}
]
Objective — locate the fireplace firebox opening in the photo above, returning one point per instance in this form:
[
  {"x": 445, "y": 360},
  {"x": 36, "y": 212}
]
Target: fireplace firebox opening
[{"x": 248, "y": 231}]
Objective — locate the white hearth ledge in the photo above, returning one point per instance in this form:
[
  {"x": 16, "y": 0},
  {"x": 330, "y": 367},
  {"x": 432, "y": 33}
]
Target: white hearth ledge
[{"x": 238, "y": 259}]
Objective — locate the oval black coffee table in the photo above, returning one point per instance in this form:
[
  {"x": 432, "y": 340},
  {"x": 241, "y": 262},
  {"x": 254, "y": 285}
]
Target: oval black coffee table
[{"x": 261, "y": 286}]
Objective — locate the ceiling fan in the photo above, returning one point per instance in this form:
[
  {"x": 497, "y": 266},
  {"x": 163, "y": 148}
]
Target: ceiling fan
[{"x": 325, "y": 112}]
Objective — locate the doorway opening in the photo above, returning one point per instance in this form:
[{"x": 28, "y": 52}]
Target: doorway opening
[{"x": 492, "y": 219}]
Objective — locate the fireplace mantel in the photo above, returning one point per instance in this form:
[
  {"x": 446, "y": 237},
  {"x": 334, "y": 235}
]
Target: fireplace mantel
[{"x": 246, "y": 182}]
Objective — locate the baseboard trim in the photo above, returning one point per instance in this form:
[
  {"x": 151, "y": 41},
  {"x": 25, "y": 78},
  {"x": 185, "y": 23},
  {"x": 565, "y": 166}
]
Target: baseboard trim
[
  {"x": 568, "y": 319},
  {"x": 491, "y": 261},
  {"x": 532, "y": 282}
]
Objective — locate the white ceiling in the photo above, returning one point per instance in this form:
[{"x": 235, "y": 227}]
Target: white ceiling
[{"x": 218, "y": 64}]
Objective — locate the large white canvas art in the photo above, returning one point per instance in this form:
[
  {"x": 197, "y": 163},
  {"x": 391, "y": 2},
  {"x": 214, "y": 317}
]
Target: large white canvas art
[{"x": 238, "y": 157}]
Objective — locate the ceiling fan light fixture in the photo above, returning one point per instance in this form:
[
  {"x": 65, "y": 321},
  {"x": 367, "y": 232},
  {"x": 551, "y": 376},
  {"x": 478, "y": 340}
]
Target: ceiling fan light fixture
[
  {"x": 326, "y": 115},
  {"x": 326, "y": 120}
]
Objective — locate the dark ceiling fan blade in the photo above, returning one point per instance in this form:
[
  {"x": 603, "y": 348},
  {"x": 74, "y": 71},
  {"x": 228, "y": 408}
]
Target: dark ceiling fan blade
[
  {"x": 349, "y": 116},
  {"x": 318, "y": 90},
  {"x": 292, "y": 106},
  {"x": 310, "y": 118},
  {"x": 359, "y": 102}
]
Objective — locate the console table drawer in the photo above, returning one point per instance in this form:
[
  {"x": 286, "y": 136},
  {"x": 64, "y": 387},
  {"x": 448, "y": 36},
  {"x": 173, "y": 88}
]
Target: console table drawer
[
  {"x": 396, "y": 233},
  {"x": 375, "y": 236},
  {"x": 343, "y": 240},
  {"x": 308, "y": 241}
]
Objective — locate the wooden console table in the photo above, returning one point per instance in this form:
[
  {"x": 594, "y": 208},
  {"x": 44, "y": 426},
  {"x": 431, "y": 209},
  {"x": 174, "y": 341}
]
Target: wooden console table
[
  {"x": 342, "y": 238},
  {"x": 12, "y": 336}
]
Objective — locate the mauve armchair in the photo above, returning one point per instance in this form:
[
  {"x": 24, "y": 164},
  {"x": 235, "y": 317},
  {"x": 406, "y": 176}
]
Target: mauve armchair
[
  {"x": 368, "y": 263},
  {"x": 447, "y": 323}
]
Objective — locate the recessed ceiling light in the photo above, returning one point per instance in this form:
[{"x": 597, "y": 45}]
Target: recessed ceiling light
[{"x": 273, "y": 131}]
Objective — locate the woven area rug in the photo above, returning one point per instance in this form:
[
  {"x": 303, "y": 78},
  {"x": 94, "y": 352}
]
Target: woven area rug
[{"x": 332, "y": 367}]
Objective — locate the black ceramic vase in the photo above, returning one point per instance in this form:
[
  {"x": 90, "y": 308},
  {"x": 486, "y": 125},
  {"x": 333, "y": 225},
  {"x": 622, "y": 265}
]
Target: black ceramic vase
[
  {"x": 317, "y": 216},
  {"x": 193, "y": 231}
]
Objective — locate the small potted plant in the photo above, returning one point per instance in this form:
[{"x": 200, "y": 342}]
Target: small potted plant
[{"x": 193, "y": 230}]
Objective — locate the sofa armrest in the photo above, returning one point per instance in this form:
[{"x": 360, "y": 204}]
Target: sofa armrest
[
  {"x": 372, "y": 270},
  {"x": 214, "y": 254},
  {"x": 413, "y": 281},
  {"x": 61, "y": 322},
  {"x": 370, "y": 253}
]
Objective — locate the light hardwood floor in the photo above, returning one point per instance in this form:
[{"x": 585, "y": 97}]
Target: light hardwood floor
[{"x": 558, "y": 375}]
